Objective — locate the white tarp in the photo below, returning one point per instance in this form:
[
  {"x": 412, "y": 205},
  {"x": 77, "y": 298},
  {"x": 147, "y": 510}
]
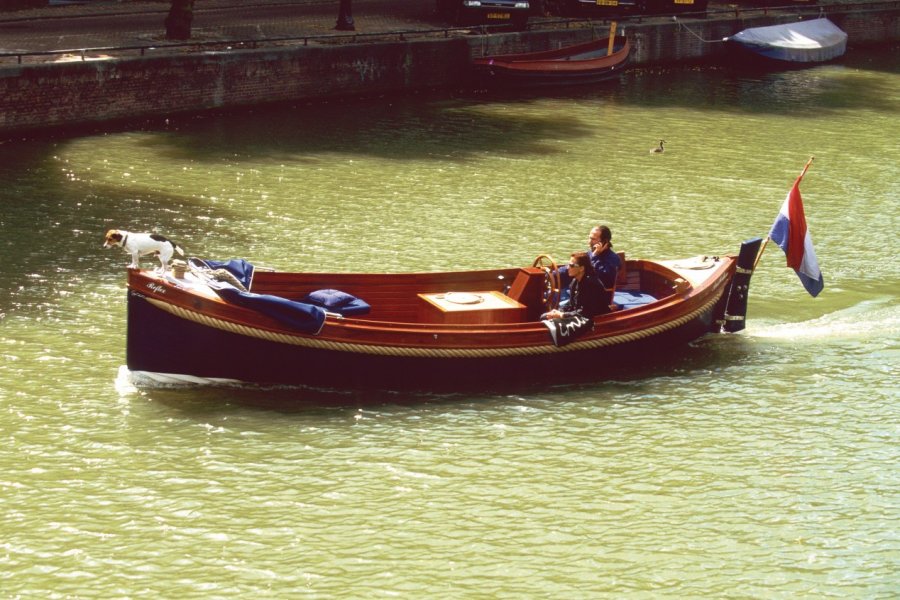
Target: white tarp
[{"x": 804, "y": 41}]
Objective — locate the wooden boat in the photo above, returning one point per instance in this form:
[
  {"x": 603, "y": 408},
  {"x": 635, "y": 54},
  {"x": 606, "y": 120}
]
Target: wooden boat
[
  {"x": 803, "y": 42},
  {"x": 437, "y": 331},
  {"x": 590, "y": 62}
]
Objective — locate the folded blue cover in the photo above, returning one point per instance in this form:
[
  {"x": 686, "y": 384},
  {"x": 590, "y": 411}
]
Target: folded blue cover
[
  {"x": 296, "y": 315},
  {"x": 240, "y": 268}
]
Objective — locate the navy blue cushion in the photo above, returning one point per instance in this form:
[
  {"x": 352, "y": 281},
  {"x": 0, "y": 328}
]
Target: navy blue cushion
[
  {"x": 330, "y": 299},
  {"x": 338, "y": 301},
  {"x": 357, "y": 307}
]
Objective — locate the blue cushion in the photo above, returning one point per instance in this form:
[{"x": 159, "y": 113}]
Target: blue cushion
[
  {"x": 338, "y": 301},
  {"x": 357, "y": 307},
  {"x": 330, "y": 299},
  {"x": 625, "y": 300}
]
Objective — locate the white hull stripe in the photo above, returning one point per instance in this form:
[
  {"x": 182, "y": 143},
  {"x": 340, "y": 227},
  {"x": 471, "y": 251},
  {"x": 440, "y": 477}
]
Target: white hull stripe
[{"x": 419, "y": 352}]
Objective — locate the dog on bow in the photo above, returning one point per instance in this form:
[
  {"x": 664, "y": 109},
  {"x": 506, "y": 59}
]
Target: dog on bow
[{"x": 142, "y": 244}]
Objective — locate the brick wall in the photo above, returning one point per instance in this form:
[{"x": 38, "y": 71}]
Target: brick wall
[{"x": 59, "y": 94}]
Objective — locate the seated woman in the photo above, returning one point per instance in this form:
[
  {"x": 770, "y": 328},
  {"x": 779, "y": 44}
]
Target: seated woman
[{"x": 587, "y": 296}]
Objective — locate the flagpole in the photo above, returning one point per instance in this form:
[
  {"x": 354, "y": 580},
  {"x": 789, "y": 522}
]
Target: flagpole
[
  {"x": 761, "y": 250},
  {"x": 766, "y": 241},
  {"x": 806, "y": 166}
]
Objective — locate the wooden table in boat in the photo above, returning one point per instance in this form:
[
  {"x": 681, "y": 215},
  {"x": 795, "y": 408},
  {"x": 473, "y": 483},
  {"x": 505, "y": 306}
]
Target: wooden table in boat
[{"x": 471, "y": 308}]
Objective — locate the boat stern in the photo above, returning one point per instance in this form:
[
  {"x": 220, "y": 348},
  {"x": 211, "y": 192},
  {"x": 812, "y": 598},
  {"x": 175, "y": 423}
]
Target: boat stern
[{"x": 733, "y": 315}]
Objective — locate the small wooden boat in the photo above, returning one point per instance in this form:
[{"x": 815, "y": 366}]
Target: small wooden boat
[
  {"x": 437, "y": 331},
  {"x": 590, "y": 62},
  {"x": 804, "y": 42}
]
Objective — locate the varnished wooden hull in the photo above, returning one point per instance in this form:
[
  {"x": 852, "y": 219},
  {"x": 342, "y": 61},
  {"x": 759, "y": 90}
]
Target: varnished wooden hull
[
  {"x": 182, "y": 331},
  {"x": 576, "y": 65},
  {"x": 241, "y": 359}
]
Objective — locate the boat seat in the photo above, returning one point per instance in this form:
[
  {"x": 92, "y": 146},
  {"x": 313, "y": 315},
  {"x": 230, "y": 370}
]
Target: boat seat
[
  {"x": 621, "y": 280},
  {"x": 338, "y": 302},
  {"x": 622, "y": 275}
]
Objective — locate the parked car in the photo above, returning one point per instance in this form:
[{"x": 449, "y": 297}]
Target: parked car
[{"x": 490, "y": 12}]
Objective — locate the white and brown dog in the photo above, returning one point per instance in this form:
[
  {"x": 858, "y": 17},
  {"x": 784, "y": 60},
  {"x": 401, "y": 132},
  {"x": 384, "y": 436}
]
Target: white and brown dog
[{"x": 142, "y": 244}]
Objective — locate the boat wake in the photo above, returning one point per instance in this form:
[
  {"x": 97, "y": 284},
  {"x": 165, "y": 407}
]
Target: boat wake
[
  {"x": 870, "y": 318},
  {"x": 281, "y": 398},
  {"x": 128, "y": 382}
]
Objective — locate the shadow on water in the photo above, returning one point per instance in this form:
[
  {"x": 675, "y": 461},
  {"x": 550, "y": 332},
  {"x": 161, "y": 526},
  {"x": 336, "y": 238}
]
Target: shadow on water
[
  {"x": 421, "y": 127},
  {"x": 417, "y": 129}
]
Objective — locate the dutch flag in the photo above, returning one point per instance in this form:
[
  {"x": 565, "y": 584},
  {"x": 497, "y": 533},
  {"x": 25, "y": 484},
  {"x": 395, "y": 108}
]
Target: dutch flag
[{"x": 790, "y": 233}]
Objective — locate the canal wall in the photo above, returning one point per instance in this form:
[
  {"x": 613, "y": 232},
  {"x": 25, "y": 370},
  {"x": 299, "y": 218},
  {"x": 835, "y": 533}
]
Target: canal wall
[{"x": 101, "y": 88}]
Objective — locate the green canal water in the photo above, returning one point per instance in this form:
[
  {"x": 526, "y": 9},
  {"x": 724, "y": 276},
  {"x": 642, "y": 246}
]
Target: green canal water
[{"x": 756, "y": 465}]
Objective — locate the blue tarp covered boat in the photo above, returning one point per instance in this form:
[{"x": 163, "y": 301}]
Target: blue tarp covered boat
[{"x": 813, "y": 41}]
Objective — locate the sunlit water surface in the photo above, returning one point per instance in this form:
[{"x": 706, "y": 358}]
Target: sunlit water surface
[{"x": 762, "y": 464}]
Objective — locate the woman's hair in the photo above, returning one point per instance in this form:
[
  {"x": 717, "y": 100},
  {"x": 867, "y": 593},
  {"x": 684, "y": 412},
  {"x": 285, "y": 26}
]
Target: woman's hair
[{"x": 583, "y": 260}]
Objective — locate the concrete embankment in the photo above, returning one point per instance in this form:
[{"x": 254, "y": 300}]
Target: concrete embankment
[{"x": 105, "y": 88}]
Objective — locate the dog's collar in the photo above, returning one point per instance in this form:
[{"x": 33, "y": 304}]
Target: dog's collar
[{"x": 124, "y": 240}]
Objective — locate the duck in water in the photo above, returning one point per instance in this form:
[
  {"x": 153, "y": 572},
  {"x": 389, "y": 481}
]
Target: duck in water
[{"x": 659, "y": 149}]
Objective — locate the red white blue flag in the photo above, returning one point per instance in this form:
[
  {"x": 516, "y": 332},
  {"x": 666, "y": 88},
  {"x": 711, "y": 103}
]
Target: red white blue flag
[{"x": 790, "y": 233}]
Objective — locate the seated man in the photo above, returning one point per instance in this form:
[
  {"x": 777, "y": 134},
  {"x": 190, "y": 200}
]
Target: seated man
[{"x": 606, "y": 263}]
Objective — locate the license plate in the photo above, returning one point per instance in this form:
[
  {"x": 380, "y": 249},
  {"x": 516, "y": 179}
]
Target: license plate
[
  {"x": 498, "y": 15},
  {"x": 607, "y": 2},
  {"x": 684, "y": 1}
]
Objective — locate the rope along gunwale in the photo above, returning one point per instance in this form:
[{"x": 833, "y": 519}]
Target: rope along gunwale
[{"x": 409, "y": 351}]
